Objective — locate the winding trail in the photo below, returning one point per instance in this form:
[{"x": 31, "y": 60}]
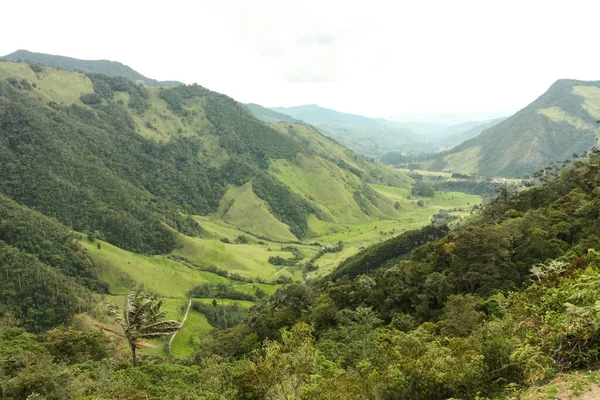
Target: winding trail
[{"x": 182, "y": 322}]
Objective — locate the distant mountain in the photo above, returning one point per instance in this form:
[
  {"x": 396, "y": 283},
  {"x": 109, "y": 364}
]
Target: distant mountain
[
  {"x": 105, "y": 67},
  {"x": 456, "y": 134},
  {"x": 558, "y": 124},
  {"x": 315, "y": 115},
  {"x": 268, "y": 115},
  {"x": 368, "y": 136}
]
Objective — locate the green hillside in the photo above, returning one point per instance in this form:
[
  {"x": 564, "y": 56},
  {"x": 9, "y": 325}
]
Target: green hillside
[
  {"x": 146, "y": 157},
  {"x": 105, "y": 67},
  {"x": 176, "y": 187},
  {"x": 558, "y": 124}
]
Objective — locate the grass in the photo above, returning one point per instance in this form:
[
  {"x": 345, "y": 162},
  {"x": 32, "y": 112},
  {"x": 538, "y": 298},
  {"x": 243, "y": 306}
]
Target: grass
[
  {"x": 249, "y": 260},
  {"x": 240, "y": 207},
  {"x": 120, "y": 268},
  {"x": 410, "y": 216},
  {"x": 465, "y": 162},
  {"x": 591, "y": 96},
  {"x": 325, "y": 185},
  {"x": 583, "y": 385},
  {"x": 560, "y": 115},
  {"x": 53, "y": 84},
  {"x": 189, "y": 337}
]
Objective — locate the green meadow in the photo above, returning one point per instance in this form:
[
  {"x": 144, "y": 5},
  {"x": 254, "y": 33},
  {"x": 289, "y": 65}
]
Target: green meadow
[{"x": 173, "y": 277}]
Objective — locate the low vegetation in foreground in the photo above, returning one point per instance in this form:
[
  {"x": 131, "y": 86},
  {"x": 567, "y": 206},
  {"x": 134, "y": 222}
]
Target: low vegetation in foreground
[{"x": 502, "y": 307}]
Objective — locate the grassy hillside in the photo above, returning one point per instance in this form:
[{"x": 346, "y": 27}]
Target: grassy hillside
[
  {"x": 176, "y": 151},
  {"x": 105, "y": 67},
  {"x": 560, "y": 123}
]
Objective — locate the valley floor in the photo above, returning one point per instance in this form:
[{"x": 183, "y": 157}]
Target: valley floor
[{"x": 245, "y": 267}]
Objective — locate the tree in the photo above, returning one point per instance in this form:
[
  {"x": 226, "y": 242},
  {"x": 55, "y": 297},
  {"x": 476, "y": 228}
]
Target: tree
[{"x": 142, "y": 319}]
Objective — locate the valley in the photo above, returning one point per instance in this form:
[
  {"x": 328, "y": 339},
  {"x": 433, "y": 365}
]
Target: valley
[
  {"x": 173, "y": 276},
  {"x": 162, "y": 240}
]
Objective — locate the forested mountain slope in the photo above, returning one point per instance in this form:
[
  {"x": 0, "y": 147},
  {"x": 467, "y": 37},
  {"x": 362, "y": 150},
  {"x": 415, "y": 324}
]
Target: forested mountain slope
[
  {"x": 558, "y": 124},
  {"x": 102, "y": 153}
]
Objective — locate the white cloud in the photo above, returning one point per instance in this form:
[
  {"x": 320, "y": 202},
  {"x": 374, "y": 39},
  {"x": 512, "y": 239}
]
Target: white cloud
[{"x": 376, "y": 58}]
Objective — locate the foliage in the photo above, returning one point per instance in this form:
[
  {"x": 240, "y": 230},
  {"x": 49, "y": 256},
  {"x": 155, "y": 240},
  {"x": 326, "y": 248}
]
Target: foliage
[
  {"x": 221, "y": 316},
  {"x": 142, "y": 318},
  {"x": 376, "y": 256},
  {"x": 422, "y": 189}
]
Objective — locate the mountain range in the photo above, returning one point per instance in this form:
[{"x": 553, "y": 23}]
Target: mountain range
[{"x": 374, "y": 137}]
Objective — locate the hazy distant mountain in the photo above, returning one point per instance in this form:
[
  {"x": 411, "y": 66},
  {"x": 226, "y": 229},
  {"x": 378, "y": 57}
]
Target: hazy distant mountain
[
  {"x": 268, "y": 115},
  {"x": 457, "y": 134},
  {"x": 369, "y": 136},
  {"x": 559, "y": 123},
  {"x": 109, "y": 68},
  {"x": 315, "y": 115}
]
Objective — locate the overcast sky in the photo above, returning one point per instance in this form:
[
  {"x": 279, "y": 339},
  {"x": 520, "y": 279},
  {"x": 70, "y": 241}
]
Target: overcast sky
[{"x": 477, "y": 59}]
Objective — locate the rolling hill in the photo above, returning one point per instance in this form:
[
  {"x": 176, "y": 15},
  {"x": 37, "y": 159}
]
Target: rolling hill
[{"x": 558, "y": 124}]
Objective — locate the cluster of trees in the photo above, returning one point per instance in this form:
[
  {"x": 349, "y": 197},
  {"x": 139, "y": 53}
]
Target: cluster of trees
[
  {"x": 422, "y": 189},
  {"x": 289, "y": 262},
  {"x": 221, "y": 316},
  {"x": 106, "y": 86},
  {"x": 220, "y": 291}
]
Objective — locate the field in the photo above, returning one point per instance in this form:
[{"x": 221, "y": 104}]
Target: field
[
  {"x": 410, "y": 216},
  {"x": 172, "y": 276}
]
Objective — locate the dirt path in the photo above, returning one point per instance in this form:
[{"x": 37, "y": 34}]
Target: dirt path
[{"x": 182, "y": 322}]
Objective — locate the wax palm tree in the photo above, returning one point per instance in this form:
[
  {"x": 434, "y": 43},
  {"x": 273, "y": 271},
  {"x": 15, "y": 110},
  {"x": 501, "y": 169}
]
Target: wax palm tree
[{"x": 142, "y": 319}]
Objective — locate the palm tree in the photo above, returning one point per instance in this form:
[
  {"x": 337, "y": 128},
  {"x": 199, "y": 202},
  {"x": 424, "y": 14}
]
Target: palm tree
[{"x": 142, "y": 319}]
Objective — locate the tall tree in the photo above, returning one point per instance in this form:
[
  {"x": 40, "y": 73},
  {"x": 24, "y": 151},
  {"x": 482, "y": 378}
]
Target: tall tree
[{"x": 142, "y": 319}]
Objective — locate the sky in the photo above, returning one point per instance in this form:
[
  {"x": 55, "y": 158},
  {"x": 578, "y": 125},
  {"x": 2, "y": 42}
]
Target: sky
[{"x": 439, "y": 61}]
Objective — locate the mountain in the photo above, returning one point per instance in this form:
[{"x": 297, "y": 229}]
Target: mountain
[
  {"x": 171, "y": 150},
  {"x": 162, "y": 180},
  {"x": 270, "y": 116},
  {"x": 368, "y": 136},
  {"x": 105, "y": 67},
  {"x": 457, "y": 134},
  {"x": 558, "y": 124}
]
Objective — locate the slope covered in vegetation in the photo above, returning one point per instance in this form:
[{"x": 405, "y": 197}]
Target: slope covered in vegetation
[
  {"x": 146, "y": 158},
  {"x": 494, "y": 308},
  {"x": 104, "y": 67},
  {"x": 558, "y": 124}
]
